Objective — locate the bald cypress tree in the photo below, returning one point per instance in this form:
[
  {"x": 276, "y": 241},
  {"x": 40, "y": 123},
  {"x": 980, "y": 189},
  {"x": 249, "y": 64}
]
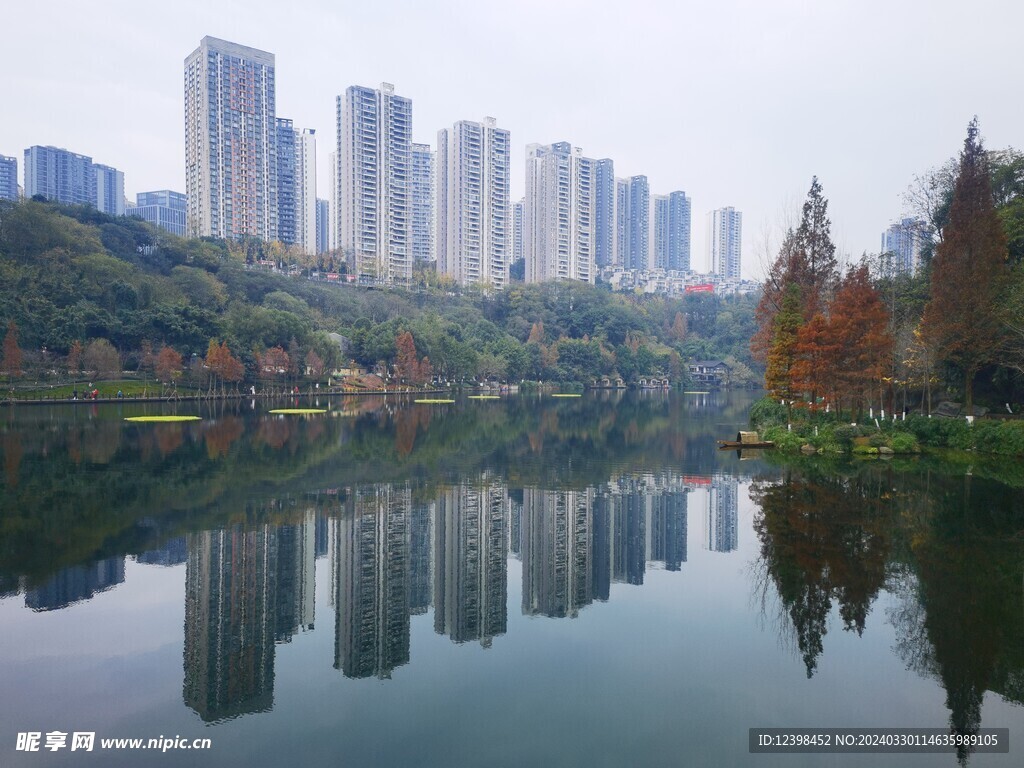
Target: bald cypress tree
[
  {"x": 963, "y": 318},
  {"x": 781, "y": 373}
]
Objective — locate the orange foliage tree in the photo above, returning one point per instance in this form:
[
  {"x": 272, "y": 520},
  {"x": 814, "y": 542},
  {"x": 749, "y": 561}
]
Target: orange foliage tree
[
  {"x": 844, "y": 356},
  {"x": 168, "y": 364},
  {"x": 222, "y": 365},
  {"x": 860, "y": 331},
  {"x": 408, "y": 366}
]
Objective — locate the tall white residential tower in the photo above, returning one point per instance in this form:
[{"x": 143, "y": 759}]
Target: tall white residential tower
[
  {"x": 230, "y": 141},
  {"x": 423, "y": 176},
  {"x": 558, "y": 221},
  {"x": 725, "y": 230},
  {"x": 473, "y": 205},
  {"x": 374, "y": 175}
]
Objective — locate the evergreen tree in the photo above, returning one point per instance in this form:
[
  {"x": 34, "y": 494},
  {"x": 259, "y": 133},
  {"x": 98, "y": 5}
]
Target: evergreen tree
[{"x": 964, "y": 319}]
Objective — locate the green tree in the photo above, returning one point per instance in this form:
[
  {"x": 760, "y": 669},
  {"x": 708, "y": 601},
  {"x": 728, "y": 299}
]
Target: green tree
[
  {"x": 964, "y": 319},
  {"x": 780, "y": 376}
]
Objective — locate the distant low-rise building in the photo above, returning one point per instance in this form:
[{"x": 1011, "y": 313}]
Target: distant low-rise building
[
  {"x": 672, "y": 282},
  {"x": 162, "y": 207},
  {"x": 713, "y": 373}
]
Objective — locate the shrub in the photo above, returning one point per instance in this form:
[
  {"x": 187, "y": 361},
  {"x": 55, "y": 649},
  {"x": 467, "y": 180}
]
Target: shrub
[
  {"x": 767, "y": 412},
  {"x": 844, "y": 434},
  {"x": 784, "y": 440},
  {"x": 865, "y": 450},
  {"x": 877, "y": 440},
  {"x": 904, "y": 442}
]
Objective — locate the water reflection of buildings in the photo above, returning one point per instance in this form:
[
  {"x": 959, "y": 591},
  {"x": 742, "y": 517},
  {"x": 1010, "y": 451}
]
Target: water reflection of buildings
[
  {"x": 371, "y": 553},
  {"x": 470, "y": 572},
  {"x": 77, "y": 583},
  {"x": 245, "y": 588},
  {"x": 173, "y": 552},
  {"x": 721, "y": 519},
  {"x": 576, "y": 544},
  {"x": 556, "y": 548}
]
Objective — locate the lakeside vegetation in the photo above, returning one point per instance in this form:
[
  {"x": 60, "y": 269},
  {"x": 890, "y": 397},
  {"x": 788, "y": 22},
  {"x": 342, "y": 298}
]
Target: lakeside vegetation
[
  {"x": 843, "y": 347},
  {"x": 85, "y": 296}
]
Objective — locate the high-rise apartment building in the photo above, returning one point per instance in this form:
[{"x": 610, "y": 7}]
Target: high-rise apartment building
[
  {"x": 285, "y": 191},
  {"x": 558, "y": 221},
  {"x": 638, "y": 224},
  {"x": 230, "y": 141},
  {"x": 164, "y": 208},
  {"x": 517, "y": 229},
  {"x": 323, "y": 225},
  {"x": 670, "y": 231},
  {"x": 621, "y": 232},
  {"x": 333, "y": 179},
  {"x": 473, "y": 202},
  {"x": 305, "y": 190},
  {"x": 8, "y": 178},
  {"x": 604, "y": 213},
  {"x": 109, "y": 189},
  {"x": 725, "y": 230},
  {"x": 423, "y": 223},
  {"x": 374, "y": 169},
  {"x": 903, "y": 243},
  {"x": 59, "y": 175}
]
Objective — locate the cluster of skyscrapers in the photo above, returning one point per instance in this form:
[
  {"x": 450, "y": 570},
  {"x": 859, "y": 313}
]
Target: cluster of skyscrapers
[{"x": 391, "y": 203}]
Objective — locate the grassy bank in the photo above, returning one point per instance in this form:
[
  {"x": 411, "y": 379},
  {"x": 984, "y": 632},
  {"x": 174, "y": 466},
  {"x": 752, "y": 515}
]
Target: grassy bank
[{"x": 826, "y": 434}]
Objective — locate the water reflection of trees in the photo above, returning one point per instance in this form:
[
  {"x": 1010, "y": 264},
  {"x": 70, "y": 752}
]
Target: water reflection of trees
[
  {"x": 77, "y": 482},
  {"x": 823, "y": 542},
  {"x": 948, "y": 548}
]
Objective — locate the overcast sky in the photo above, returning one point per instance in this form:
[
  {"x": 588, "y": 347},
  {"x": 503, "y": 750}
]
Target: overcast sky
[{"x": 737, "y": 103}]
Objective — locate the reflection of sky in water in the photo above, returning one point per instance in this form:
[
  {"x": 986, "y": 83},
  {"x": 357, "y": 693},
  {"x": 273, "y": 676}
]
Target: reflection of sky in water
[{"x": 675, "y": 649}]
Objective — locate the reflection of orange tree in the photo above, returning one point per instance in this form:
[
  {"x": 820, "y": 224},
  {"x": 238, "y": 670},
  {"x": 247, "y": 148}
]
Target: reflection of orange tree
[
  {"x": 221, "y": 434},
  {"x": 12, "y": 457},
  {"x": 821, "y": 542},
  {"x": 274, "y": 432}
]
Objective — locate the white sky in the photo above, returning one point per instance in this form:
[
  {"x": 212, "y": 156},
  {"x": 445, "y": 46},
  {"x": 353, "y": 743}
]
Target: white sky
[{"x": 736, "y": 102}]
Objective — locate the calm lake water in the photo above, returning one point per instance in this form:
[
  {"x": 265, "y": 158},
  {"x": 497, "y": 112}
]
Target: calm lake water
[{"x": 522, "y": 582}]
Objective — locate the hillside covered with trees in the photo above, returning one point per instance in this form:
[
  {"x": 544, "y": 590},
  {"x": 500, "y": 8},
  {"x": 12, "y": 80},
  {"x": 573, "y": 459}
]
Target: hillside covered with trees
[{"x": 83, "y": 293}]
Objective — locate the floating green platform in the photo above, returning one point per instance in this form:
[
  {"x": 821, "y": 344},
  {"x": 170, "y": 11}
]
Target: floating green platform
[
  {"x": 484, "y": 397},
  {"x": 566, "y": 394},
  {"x": 696, "y": 393},
  {"x": 296, "y": 411},
  {"x": 433, "y": 401},
  {"x": 162, "y": 418}
]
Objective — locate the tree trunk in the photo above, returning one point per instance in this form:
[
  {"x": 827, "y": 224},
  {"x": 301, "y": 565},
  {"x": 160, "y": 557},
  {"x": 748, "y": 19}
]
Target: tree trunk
[{"x": 969, "y": 391}]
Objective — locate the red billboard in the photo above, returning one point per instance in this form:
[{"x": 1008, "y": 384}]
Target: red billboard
[{"x": 706, "y": 288}]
